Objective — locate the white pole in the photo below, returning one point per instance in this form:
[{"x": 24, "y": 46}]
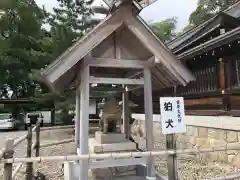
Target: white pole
[
  {"x": 77, "y": 118},
  {"x": 84, "y": 122},
  {"x": 125, "y": 113},
  {"x": 148, "y": 120}
]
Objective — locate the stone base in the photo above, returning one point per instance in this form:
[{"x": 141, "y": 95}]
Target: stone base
[
  {"x": 109, "y": 138},
  {"x": 113, "y": 142},
  {"x": 96, "y": 147},
  {"x": 71, "y": 172}
]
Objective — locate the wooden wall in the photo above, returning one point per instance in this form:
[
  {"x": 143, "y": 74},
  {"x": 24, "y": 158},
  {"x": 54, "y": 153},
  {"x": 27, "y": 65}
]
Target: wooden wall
[{"x": 216, "y": 90}]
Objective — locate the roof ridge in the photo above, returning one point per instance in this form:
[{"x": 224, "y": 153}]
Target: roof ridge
[{"x": 202, "y": 24}]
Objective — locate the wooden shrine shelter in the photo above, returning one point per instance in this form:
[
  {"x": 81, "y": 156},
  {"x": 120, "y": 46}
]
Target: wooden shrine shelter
[
  {"x": 119, "y": 50},
  {"x": 211, "y": 52}
]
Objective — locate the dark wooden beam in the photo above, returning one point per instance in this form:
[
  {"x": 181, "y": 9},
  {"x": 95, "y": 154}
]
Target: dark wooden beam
[{"x": 210, "y": 45}]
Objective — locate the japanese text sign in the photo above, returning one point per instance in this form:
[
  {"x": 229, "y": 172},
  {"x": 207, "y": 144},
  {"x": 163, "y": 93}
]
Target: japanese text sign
[{"x": 172, "y": 115}]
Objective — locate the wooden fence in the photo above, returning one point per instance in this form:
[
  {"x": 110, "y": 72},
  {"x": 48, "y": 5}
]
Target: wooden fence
[{"x": 8, "y": 152}]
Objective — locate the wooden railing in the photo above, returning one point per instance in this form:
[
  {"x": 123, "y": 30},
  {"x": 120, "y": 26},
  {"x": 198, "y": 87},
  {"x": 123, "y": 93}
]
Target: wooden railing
[
  {"x": 7, "y": 154},
  {"x": 10, "y": 160},
  {"x": 10, "y": 145},
  {"x": 206, "y": 81}
]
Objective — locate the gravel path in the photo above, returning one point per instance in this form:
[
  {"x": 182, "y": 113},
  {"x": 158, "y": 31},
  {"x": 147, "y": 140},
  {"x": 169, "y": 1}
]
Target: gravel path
[{"x": 189, "y": 166}]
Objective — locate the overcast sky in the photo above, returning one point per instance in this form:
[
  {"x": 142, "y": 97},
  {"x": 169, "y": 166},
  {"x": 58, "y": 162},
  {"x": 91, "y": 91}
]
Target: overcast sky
[{"x": 159, "y": 10}]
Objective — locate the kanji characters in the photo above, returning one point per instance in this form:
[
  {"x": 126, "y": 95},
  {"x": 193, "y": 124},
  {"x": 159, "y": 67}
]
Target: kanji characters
[
  {"x": 169, "y": 123},
  {"x": 168, "y": 106}
]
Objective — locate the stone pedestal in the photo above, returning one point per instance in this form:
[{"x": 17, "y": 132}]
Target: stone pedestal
[
  {"x": 109, "y": 138},
  {"x": 111, "y": 142},
  {"x": 71, "y": 172},
  {"x": 96, "y": 147}
]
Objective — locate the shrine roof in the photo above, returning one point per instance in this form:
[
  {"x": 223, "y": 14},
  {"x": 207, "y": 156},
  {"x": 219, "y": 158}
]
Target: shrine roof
[
  {"x": 168, "y": 71},
  {"x": 177, "y": 43},
  {"x": 216, "y": 42}
]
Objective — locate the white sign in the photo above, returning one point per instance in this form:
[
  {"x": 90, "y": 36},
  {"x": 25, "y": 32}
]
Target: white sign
[{"x": 172, "y": 115}]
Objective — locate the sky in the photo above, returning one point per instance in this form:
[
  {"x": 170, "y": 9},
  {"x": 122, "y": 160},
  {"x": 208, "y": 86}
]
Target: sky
[{"x": 157, "y": 11}]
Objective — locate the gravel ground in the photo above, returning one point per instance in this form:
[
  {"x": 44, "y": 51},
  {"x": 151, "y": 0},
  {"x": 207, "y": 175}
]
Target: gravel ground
[{"x": 189, "y": 166}]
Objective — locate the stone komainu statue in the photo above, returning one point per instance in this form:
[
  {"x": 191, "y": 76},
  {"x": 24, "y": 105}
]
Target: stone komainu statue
[{"x": 111, "y": 115}]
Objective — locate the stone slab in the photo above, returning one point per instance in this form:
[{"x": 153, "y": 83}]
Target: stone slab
[
  {"x": 109, "y": 138},
  {"x": 95, "y": 147},
  {"x": 71, "y": 172}
]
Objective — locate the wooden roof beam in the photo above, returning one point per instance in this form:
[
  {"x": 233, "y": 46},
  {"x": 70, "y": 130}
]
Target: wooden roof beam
[
  {"x": 165, "y": 57},
  {"x": 209, "y": 45},
  {"x": 94, "y": 38},
  {"x": 101, "y": 80},
  {"x": 117, "y": 63}
]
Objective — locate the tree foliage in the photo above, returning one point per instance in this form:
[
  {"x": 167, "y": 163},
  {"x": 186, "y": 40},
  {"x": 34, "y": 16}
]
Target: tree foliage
[
  {"x": 20, "y": 43},
  {"x": 165, "y": 29},
  {"x": 31, "y": 38},
  {"x": 68, "y": 23},
  {"x": 208, "y": 8}
]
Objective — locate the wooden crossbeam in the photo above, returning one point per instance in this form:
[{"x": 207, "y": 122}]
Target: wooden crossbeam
[
  {"x": 118, "y": 63},
  {"x": 91, "y": 40},
  {"x": 101, "y": 80},
  {"x": 109, "y": 89}
]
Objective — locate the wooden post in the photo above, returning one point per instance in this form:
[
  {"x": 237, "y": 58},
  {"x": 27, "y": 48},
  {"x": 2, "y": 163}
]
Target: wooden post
[
  {"x": 227, "y": 86},
  {"x": 37, "y": 146},
  {"x": 29, "y": 168},
  {"x": 172, "y": 159},
  {"x": 37, "y": 140},
  {"x": 8, "y": 168},
  {"x": 53, "y": 119},
  {"x": 125, "y": 114},
  {"x": 84, "y": 122},
  {"x": 77, "y": 119},
  {"x": 148, "y": 120},
  {"x": 222, "y": 80}
]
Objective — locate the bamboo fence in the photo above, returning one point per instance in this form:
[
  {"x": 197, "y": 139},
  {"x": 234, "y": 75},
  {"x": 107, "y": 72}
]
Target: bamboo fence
[
  {"x": 120, "y": 155},
  {"x": 6, "y": 154},
  {"x": 8, "y": 151}
]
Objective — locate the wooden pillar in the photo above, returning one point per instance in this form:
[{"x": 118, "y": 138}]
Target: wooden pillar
[
  {"x": 84, "y": 122},
  {"x": 126, "y": 122},
  {"x": 8, "y": 167},
  {"x": 227, "y": 101},
  {"x": 148, "y": 120},
  {"x": 171, "y": 145},
  {"x": 77, "y": 118},
  {"x": 29, "y": 166},
  {"x": 221, "y": 74},
  {"x": 224, "y": 80}
]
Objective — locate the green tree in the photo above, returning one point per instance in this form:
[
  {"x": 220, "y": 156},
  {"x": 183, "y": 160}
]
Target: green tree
[
  {"x": 26, "y": 47},
  {"x": 20, "y": 43},
  {"x": 208, "y": 8},
  {"x": 68, "y": 23},
  {"x": 21, "y": 47},
  {"x": 165, "y": 29}
]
